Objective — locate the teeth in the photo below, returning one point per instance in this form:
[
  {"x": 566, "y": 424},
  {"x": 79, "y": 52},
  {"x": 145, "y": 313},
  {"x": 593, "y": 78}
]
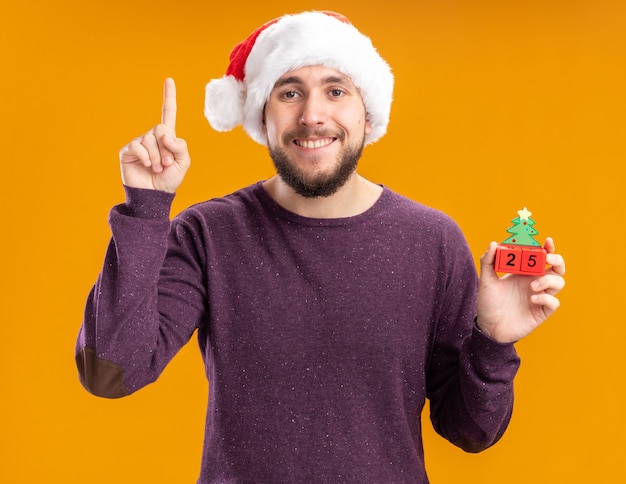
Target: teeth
[{"x": 311, "y": 144}]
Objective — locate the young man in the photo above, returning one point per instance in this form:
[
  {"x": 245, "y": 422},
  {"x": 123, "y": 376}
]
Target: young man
[{"x": 328, "y": 308}]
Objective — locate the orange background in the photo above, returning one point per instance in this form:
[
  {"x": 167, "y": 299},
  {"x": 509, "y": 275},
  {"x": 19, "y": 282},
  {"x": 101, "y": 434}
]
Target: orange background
[{"x": 498, "y": 105}]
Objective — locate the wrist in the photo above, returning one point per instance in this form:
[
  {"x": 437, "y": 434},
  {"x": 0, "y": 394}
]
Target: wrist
[{"x": 482, "y": 329}]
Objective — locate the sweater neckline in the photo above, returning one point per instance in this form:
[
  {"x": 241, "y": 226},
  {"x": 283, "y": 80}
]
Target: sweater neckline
[{"x": 282, "y": 213}]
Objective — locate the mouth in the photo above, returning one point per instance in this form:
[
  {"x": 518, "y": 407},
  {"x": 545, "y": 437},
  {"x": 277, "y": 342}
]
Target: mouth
[{"x": 312, "y": 144}]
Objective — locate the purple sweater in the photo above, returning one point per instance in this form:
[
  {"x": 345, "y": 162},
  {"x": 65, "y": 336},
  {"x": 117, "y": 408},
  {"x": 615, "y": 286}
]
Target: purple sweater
[{"x": 321, "y": 338}]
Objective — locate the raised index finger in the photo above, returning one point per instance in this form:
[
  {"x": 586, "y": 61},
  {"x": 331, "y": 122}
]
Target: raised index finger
[{"x": 168, "y": 115}]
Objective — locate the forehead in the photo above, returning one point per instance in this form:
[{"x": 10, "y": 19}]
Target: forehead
[{"x": 316, "y": 74}]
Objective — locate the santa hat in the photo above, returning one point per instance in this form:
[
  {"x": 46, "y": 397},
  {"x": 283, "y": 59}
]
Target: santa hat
[{"x": 287, "y": 43}]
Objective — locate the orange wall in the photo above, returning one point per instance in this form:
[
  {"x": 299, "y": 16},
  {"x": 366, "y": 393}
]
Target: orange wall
[{"x": 498, "y": 105}]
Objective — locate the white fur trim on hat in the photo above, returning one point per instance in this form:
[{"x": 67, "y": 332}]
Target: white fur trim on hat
[{"x": 292, "y": 42}]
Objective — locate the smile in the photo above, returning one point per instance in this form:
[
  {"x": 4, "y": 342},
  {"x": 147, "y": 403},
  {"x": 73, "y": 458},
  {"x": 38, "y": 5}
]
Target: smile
[{"x": 313, "y": 144}]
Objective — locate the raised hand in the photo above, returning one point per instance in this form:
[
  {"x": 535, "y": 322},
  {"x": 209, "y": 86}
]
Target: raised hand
[
  {"x": 511, "y": 306},
  {"x": 158, "y": 160}
]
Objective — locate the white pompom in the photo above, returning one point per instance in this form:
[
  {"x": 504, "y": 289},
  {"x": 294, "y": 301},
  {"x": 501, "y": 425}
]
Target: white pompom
[{"x": 223, "y": 103}]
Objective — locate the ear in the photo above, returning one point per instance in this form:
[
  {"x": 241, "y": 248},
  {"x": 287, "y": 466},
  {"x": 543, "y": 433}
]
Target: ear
[
  {"x": 368, "y": 124},
  {"x": 263, "y": 121}
]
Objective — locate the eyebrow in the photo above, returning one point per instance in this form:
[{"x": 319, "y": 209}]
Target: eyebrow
[{"x": 297, "y": 80}]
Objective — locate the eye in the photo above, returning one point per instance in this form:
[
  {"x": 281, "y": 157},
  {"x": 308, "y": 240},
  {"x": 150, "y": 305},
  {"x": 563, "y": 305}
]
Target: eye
[
  {"x": 290, "y": 95},
  {"x": 336, "y": 92}
]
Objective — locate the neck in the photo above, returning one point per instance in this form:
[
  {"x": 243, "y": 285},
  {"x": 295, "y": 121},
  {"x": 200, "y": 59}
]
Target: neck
[{"x": 355, "y": 197}]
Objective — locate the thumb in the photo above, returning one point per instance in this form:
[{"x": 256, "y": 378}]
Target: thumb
[
  {"x": 487, "y": 264},
  {"x": 177, "y": 147}
]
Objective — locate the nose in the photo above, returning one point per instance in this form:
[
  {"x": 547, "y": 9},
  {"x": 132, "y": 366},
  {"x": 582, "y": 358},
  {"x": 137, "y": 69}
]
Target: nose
[{"x": 313, "y": 111}]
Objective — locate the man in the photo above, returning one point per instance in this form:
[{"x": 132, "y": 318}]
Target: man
[{"x": 328, "y": 308}]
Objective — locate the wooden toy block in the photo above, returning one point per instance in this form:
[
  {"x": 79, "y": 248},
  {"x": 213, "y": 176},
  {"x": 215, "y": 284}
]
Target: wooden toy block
[
  {"x": 533, "y": 261},
  {"x": 509, "y": 258}
]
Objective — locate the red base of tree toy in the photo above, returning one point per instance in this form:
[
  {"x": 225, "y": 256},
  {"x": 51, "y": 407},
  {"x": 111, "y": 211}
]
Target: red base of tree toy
[
  {"x": 521, "y": 253},
  {"x": 521, "y": 259}
]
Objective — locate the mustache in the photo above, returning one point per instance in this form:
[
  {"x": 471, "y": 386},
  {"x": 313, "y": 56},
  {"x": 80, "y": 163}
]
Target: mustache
[{"x": 301, "y": 133}]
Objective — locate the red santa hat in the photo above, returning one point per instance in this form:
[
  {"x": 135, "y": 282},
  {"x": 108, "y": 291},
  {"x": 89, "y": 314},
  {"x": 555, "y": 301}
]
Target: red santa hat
[{"x": 287, "y": 43}]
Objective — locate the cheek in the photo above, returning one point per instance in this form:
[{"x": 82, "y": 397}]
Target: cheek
[
  {"x": 362, "y": 125},
  {"x": 360, "y": 119}
]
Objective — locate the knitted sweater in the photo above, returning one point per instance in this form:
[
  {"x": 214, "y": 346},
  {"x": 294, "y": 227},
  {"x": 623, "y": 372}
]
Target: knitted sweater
[{"x": 321, "y": 338}]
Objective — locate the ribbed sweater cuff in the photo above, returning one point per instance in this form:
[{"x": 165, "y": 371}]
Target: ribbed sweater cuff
[
  {"x": 144, "y": 203},
  {"x": 490, "y": 351}
]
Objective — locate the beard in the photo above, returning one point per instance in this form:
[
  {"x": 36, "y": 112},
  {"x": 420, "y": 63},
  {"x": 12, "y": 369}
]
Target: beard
[{"x": 320, "y": 185}]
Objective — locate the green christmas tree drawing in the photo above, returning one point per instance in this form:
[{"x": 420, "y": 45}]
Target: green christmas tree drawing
[{"x": 523, "y": 231}]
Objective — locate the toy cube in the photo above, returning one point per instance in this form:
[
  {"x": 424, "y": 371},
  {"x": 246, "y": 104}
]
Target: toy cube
[
  {"x": 533, "y": 261},
  {"x": 509, "y": 258}
]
